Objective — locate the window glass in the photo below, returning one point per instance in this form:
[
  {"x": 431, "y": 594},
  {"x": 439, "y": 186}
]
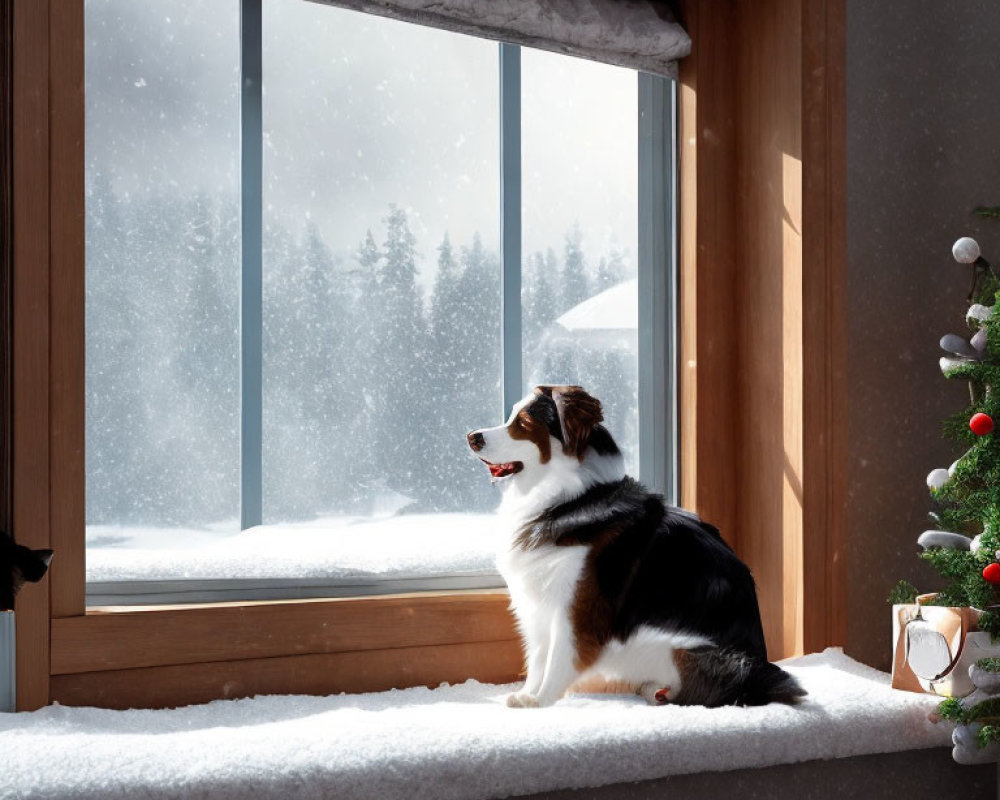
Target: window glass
[
  {"x": 381, "y": 266},
  {"x": 580, "y": 227},
  {"x": 162, "y": 268},
  {"x": 382, "y": 293}
]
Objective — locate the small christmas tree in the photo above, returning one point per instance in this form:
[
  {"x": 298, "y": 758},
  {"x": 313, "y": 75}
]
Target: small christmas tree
[{"x": 963, "y": 546}]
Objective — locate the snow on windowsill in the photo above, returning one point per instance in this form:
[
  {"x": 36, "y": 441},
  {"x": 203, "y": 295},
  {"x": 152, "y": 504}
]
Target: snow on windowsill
[
  {"x": 450, "y": 742},
  {"x": 336, "y": 555}
]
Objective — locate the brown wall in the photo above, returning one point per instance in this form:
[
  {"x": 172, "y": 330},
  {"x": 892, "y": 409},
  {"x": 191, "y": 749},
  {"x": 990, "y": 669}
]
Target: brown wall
[{"x": 923, "y": 149}]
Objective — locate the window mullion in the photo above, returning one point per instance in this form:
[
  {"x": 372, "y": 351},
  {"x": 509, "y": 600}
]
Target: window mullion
[
  {"x": 251, "y": 288},
  {"x": 510, "y": 222},
  {"x": 657, "y": 286}
]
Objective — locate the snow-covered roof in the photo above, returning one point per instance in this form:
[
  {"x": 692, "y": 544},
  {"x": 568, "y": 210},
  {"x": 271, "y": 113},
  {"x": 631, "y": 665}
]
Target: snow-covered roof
[{"x": 616, "y": 308}]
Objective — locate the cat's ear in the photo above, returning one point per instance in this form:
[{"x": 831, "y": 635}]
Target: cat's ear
[{"x": 33, "y": 563}]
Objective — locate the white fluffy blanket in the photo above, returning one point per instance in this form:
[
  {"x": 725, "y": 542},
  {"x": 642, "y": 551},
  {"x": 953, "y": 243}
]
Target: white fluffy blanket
[{"x": 450, "y": 742}]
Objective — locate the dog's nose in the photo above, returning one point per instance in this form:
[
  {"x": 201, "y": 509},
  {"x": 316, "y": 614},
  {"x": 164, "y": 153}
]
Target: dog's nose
[{"x": 476, "y": 440}]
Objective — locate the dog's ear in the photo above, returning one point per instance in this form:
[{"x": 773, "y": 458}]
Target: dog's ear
[{"x": 578, "y": 414}]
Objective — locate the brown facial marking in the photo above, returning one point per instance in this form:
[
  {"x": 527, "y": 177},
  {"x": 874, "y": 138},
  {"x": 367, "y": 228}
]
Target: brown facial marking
[
  {"x": 524, "y": 426},
  {"x": 592, "y": 612},
  {"x": 578, "y": 414}
]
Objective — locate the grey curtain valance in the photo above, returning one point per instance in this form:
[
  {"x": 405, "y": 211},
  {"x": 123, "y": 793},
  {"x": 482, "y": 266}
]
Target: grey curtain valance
[{"x": 639, "y": 34}]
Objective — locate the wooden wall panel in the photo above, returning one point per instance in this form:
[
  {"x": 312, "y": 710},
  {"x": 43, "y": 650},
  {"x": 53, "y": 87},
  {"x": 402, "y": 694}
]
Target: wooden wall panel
[
  {"x": 318, "y": 674},
  {"x": 6, "y": 259},
  {"x": 763, "y": 272},
  {"x": 770, "y": 297},
  {"x": 132, "y": 639},
  {"x": 825, "y": 332},
  {"x": 67, "y": 350},
  {"x": 31, "y": 336},
  {"x": 708, "y": 263}
]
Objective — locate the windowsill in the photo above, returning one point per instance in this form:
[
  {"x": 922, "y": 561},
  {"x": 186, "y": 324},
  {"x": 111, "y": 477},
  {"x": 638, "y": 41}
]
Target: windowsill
[
  {"x": 335, "y": 557},
  {"x": 457, "y": 741}
]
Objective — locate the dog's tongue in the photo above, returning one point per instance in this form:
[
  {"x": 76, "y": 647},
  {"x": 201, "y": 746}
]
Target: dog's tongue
[{"x": 501, "y": 470}]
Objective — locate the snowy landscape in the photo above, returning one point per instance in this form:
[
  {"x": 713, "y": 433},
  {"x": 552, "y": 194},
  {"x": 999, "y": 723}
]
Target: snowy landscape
[{"x": 382, "y": 287}]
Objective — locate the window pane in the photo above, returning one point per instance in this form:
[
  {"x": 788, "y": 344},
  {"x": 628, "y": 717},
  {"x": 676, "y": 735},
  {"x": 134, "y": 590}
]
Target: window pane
[
  {"x": 162, "y": 269},
  {"x": 580, "y": 227},
  {"x": 381, "y": 270}
]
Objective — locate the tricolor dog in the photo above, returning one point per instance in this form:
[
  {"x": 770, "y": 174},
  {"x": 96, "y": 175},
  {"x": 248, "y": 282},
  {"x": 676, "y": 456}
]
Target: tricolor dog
[{"x": 606, "y": 581}]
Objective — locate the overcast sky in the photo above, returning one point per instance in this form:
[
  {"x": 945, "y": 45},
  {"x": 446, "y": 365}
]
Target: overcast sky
[{"x": 359, "y": 112}]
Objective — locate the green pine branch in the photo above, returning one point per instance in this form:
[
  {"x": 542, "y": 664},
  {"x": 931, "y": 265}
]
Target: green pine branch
[
  {"x": 903, "y": 593},
  {"x": 969, "y": 501},
  {"x": 987, "y": 735}
]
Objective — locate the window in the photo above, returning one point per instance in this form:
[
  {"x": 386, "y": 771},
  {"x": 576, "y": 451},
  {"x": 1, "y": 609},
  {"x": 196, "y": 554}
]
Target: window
[
  {"x": 305, "y": 437},
  {"x": 580, "y": 286},
  {"x": 736, "y": 457}
]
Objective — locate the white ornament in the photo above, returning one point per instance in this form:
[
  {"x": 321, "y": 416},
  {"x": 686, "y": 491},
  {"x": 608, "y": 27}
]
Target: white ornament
[
  {"x": 977, "y": 542},
  {"x": 978, "y": 313},
  {"x": 943, "y": 539},
  {"x": 967, "y": 749},
  {"x": 937, "y": 478},
  {"x": 979, "y": 340},
  {"x": 956, "y": 462},
  {"x": 949, "y": 365},
  {"x": 966, "y": 250}
]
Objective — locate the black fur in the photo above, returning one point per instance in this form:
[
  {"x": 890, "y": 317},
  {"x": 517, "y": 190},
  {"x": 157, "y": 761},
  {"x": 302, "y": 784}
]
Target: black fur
[
  {"x": 17, "y": 565},
  {"x": 664, "y": 567},
  {"x": 543, "y": 409}
]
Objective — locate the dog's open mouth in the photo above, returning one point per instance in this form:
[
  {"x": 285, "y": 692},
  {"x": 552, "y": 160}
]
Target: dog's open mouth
[{"x": 503, "y": 470}]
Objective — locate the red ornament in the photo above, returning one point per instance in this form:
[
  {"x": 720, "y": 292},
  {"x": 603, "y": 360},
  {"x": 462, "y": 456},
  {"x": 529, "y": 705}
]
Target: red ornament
[
  {"x": 981, "y": 424},
  {"x": 991, "y": 572}
]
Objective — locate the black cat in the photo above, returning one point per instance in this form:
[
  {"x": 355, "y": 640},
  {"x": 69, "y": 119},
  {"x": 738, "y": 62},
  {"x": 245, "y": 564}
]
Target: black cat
[{"x": 17, "y": 565}]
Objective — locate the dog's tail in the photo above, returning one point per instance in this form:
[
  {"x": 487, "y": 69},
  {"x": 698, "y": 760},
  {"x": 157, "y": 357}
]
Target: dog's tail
[
  {"x": 769, "y": 683},
  {"x": 715, "y": 676}
]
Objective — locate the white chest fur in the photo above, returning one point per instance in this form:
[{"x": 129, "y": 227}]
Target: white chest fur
[
  {"x": 543, "y": 583},
  {"x": 544, "y": 579}
]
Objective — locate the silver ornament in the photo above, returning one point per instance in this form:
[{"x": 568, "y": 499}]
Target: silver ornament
[
  {"x": 979, "y": 340},
  {"x": 943, "y": 539},
  {"x": 966, "y": 250},
  {"x": 951, "y": 343}
]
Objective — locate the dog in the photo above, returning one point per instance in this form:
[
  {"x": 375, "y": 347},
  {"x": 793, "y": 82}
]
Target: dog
[
  {"x": 606, "y": 580},
  {"x": 17, "y": 565}
]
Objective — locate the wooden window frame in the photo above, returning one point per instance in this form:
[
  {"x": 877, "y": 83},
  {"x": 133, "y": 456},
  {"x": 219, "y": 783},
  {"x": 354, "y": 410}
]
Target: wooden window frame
[{"x": 762, "y": 438}]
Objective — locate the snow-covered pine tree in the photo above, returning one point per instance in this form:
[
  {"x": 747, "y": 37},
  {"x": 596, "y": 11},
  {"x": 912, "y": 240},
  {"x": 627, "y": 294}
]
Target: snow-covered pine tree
[
  {"x": 574, "y": 281},
  {"x": 364, "y": 344},
  {"x": 448, "y": 362},
  {"x": 539, "y": 293},
  {"x": 113, "y": 319},
  {"x": 207, "y": 370},
  {"x": 611, "y": 270},
  {"x": 448, "y": 312},
  {"x": 399, "y": 353}
]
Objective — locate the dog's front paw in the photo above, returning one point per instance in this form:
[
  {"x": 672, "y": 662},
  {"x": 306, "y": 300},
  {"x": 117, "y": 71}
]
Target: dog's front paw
[{"x": 522, "y": 699}]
